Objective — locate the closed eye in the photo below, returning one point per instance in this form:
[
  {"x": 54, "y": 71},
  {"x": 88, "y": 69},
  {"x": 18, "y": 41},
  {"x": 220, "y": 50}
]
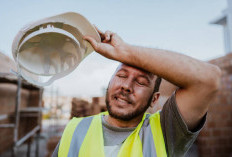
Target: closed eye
[
  {"x": 142, "y": 81},
  {"x": 121, "y": 74}
]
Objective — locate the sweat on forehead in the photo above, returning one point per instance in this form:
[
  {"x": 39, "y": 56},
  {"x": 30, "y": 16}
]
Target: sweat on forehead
[{"x": 121, "y": 65}]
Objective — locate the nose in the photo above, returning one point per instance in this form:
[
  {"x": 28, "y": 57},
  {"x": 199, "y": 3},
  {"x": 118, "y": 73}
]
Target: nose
[{"x": 127, "y": 86}]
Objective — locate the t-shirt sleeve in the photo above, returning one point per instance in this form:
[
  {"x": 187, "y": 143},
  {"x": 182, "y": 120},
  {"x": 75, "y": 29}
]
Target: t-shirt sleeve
[{"x": 178, "y": 138}]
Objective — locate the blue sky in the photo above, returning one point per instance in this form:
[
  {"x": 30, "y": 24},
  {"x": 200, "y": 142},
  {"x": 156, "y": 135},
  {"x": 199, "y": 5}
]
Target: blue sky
[{"x": 181, "y": 26}]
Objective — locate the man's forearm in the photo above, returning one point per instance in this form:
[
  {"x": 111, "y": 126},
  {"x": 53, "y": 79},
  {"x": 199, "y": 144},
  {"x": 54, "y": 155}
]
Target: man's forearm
[{"x": 177, "y": 68}]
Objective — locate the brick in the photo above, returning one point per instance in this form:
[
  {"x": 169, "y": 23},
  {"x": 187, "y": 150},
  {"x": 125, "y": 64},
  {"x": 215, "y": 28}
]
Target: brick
[
  {"x": 206, "y": 133},
  {"x": 225, "y": 116},
  {"x": 206, "y": 151},
  {"x": 211, "y": 124},
  {"x": 216, "y": 133}
]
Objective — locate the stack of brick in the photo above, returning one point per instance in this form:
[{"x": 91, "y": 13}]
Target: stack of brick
[
  {"x": 216, "y": 137},
  {"x": 29, "y": 98},
  {"x": 99, "y": 104},
  {"x": 80, "y": 108}
]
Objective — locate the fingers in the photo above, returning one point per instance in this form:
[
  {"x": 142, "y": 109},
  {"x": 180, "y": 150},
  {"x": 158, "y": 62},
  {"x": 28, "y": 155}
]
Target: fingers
[
  {"x": 92, "y": 41},
  {"x": 105, "y": 37},
  {"x": 108, "y": 35},
  {"x": 102, "y": 35},
  {"x": 101, "y": 48}
]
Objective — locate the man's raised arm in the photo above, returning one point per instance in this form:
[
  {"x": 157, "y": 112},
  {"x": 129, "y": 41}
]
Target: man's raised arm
[{"x": 198, "y": 81}]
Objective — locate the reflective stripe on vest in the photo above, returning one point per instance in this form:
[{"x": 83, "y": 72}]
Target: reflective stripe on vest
[
  {"x": 84, "y": 138},
  {"x": 68, "y": 133}
]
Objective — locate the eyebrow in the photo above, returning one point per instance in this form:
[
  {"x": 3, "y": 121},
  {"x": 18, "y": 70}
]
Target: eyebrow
[{"x": 122, "y": 70}]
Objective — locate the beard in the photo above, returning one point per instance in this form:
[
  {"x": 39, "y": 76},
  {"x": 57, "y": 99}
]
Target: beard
[{"x": 130, "y": 115}]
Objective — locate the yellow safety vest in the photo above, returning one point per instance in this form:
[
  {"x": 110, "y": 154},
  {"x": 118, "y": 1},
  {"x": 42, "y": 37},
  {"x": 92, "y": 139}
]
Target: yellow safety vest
[{"x": 83, "y": 137}]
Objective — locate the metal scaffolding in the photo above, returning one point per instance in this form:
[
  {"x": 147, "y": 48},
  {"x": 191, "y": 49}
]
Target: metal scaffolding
[{"x": 23, "y": 112}]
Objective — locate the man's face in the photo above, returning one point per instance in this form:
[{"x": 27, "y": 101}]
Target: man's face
[{"x": 129, "y": 93}]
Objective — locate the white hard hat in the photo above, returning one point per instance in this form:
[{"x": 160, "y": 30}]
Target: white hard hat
[{"x": 51, "y": 48}]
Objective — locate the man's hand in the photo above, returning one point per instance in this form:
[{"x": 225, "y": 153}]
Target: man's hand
[{"x": 111, "y": 45}]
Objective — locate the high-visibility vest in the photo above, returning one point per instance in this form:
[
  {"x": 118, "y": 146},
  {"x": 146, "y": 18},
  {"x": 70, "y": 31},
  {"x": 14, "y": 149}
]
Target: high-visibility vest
[{"x": 83, "y": 137}]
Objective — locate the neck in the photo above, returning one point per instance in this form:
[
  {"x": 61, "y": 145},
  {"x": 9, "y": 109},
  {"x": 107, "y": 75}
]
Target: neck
[{"x": 123, "y": 124}]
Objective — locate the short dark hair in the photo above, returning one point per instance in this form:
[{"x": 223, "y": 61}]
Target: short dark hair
[{"x": 157, "y": 84}]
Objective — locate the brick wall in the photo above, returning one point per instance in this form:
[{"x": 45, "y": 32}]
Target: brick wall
[{"x": 216, "y": 138}]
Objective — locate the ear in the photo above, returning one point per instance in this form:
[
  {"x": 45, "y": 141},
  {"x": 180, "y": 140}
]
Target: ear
[{"x": 155, "y": 98}]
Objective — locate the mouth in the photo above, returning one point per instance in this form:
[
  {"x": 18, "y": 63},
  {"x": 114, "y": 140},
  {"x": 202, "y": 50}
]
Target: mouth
[{"x": 122, "y": 100}]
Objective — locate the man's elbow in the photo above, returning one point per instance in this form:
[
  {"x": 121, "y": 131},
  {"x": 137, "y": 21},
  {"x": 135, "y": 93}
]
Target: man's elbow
[{"x": 214, "y": 81}]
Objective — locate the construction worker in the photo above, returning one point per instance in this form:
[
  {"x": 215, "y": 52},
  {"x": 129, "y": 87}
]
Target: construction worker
[{"x": 126, "y": 130}]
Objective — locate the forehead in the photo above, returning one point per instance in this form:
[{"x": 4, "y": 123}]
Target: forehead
[{"x": 128, "y": 68}]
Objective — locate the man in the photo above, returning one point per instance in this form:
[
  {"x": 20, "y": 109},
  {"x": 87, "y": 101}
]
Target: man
[{"x": 126, "y": 130}]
